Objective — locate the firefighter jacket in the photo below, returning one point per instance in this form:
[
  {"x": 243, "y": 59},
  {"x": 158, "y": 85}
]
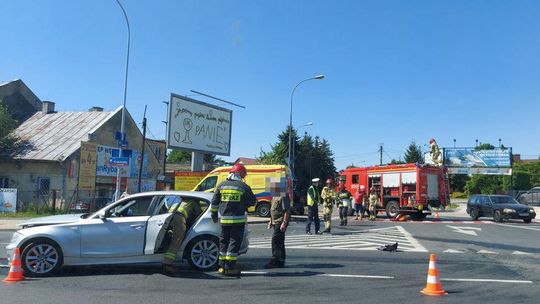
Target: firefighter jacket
[
  {"x": 344, "y": 198},
  {"x": 191, "y": 211},
  {"x": 328, "y": 196},
  {"x": 373, "y": 199},
  {"x": 312, "y": 196},
  {"x": 232, "y": 199}
]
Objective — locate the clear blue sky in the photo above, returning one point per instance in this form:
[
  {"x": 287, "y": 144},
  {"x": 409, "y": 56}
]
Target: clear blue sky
[{"x": 396, "y": 71}]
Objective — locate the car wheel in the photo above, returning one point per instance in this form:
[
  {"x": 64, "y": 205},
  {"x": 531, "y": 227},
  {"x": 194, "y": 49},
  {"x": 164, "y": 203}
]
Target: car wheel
[
  {"x": 475, "y": 214},
  {"x": 392, "y": 209},
  {"x": 41, "y": 258},
  {"x": 263, "y": 209},
  {"x": 497, "y": 217},
  {"x": 527, "y": 220},
  {"x": 203, "y": 253}
]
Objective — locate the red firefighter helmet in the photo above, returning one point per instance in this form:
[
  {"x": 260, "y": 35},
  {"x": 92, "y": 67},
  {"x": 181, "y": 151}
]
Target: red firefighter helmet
[
  {"x": 329, "y": 181},
  {"x": 432, "y": 140},
  {"x": 240, "y": 169}
]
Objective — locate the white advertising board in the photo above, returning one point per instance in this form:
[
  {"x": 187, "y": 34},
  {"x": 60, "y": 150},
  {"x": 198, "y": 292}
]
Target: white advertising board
[
  {"x": 8, "y": 200},
  {"x": 197, "y": 126}
]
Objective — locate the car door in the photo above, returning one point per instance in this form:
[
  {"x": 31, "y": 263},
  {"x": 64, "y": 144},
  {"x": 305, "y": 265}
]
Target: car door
[
  {"x": 486, "y": 206},
  {"x": 120, "y": 233},
  {"x": 156, "y": 231}
]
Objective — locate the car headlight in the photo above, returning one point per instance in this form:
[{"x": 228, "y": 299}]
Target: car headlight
[
  {"x": 16, "y": 238},
  {"x": 531, "y": 210},
  {"x": 507, "y": 210}
]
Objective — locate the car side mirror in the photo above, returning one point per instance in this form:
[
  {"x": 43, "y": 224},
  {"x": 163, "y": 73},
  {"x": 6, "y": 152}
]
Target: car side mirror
[{"x": 102, "y": 216}]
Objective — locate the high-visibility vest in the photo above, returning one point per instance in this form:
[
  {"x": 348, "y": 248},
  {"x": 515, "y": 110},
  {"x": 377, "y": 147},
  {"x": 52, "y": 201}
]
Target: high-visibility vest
[{"x": 312, "y": 200}]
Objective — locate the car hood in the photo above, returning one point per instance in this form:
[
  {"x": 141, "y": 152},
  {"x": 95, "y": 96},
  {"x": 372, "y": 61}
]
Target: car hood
[
  {"x": 513, "y": 206},
  {"x": 51, "y": 220}
]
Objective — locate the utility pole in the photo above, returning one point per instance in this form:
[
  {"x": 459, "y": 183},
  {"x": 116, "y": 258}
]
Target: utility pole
[
  {"x": 142, "y": 149},
  {"x": 381, "y": 152}
]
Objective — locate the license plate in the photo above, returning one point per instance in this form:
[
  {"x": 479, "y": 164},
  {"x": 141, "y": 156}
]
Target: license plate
[{"x": 524, "y": 214}]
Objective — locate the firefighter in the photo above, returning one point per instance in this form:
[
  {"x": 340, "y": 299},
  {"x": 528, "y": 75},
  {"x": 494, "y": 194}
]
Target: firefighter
[
  {"x": 373, "y": 200},
  {"x": 328, "y": 196},
  {"x": 232, "y": 199},
  {"x": 435, "y": 152},
  {"x": 313, "y": 200},
  {"x": 184, "y": 215},
  {"x": 344, "y": 201}
]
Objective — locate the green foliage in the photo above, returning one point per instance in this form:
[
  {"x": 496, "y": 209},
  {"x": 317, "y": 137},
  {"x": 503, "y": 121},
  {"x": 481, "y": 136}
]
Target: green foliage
[
  {"x": 484, "y": 184},
  {"x": 181, "y": 156},
  {"x": 485, "y": 146},
  {"x": 313, "y": 157},
  {"x": 397, "y": 162},
  {"x": 7, "y": 124},
  {"x": 458, "y": 181},
  {"x": 457, "y": 194},
  {"x": 414, "y": 154}
]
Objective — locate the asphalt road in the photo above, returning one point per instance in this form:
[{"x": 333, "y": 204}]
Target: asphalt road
[{"x": 478, "y": 262}]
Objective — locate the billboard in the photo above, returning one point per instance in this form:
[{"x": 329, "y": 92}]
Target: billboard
[
  {"x": 107, "y": 168},
  {"x": 8, "y": 200},
  {"x": 197, "y": 126},
  {"x": 87, "y": 167},
  {"x": 187, "y": 180},
  {"x": 470, "y": 161}
]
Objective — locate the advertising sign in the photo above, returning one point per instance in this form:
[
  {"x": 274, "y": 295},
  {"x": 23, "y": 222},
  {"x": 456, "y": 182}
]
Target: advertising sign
[
  {"x": 469, "y": 158},
  {"x": 8, "y": 200},
  {"x": 197, "y": 126},
  {"x": 187, "y": 180},
  {"x": 487, "y": 171},
  {"x": 107, "y": 168},
  {"x": 87, "y": 167}
]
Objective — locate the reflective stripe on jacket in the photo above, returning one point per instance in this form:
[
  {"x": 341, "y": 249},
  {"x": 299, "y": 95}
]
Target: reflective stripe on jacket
[{"x": 232, "y": 199}]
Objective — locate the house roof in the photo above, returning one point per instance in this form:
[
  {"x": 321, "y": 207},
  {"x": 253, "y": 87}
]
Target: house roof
[
  {"x": 19, "y": 99},
  {"x": 247, "y": 161},
  {"x": 55, "y": 136}
]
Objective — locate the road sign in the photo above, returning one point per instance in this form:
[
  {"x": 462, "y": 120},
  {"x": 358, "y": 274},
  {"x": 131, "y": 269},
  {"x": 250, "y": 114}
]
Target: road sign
[{"x": 119, "y": 161}]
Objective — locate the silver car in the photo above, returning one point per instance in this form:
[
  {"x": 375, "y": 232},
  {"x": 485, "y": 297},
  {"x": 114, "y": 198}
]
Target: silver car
[{"x": 129, "y": 231}]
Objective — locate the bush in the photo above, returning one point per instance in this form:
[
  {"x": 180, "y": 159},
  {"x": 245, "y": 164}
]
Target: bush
[{"x": 457, "y": 194}]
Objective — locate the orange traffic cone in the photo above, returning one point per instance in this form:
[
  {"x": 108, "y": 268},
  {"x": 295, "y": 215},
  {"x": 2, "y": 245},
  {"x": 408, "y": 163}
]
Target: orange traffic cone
[
  {"x": 15, "y": 272},
  {"x": 433, "y": 285}
]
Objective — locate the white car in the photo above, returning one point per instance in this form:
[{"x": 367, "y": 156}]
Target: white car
[{"x": 129, "y": 231}]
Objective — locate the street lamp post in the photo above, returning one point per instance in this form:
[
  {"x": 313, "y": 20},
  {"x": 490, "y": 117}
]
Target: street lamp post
[
  {"x": 291, "y": 165},
  {"x": 123, "y": 123}
]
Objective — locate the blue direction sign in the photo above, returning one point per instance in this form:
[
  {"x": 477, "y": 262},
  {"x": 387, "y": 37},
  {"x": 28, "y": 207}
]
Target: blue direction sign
[{"x": 119, "y": 161}]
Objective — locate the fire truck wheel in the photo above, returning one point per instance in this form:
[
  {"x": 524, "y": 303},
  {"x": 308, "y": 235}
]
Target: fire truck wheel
[{"x": 392, "y": 209}]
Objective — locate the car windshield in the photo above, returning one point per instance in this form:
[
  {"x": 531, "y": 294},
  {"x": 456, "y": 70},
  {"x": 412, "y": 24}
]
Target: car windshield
[{"x": 503, "y": 200}]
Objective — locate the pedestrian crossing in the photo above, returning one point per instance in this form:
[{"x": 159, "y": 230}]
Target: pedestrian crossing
[{"x": 369, "y": 239}]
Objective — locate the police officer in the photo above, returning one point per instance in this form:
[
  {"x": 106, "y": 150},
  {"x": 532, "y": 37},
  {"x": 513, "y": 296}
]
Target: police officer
[
  {"x": 232, "y": 199},
  {"x": 344, "y": 201},
  {"x": 184, "y": 215},
  {"x": 328, "y": 196},
  {"x": 313, "y": 200},
  {"x": 373, "y": 200}
]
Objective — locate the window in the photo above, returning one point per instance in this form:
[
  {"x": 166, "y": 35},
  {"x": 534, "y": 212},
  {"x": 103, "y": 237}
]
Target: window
[
  {"x": 4, "y": 182},
  {"x": 44, "y": 184},
  {"x": 355, "y": 179},
  {"x": 131, "y": 207},
  {"x": 165, "y": 203},
  {"x": 208, "y": 183}
]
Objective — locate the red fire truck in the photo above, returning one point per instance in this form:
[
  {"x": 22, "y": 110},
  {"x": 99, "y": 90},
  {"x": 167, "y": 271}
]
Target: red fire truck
[{"x": 403, "y": 189}]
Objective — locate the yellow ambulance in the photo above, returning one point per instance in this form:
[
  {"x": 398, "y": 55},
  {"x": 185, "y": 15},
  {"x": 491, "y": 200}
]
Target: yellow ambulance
[{"x": 260, "y": 178}]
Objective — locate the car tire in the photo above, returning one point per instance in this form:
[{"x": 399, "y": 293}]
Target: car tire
[
  {"x": 527, "y": 220},
  {"x": 41, "y": 258},
  {"x": 203, "y": 253},
  {"x": 497, "y": 216},
  {"x": 392, "y": 209},
  {"x": 474, "y": 213},
  {"x": 263, "y": 209}
]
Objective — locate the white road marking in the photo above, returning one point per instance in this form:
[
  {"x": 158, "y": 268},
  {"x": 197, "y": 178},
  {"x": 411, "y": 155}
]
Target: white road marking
[
  {"x": 369, "y": 239},
  {"x": 489, "y": 281},
  {"x": 465, "y": 230},
  {"x": 487, "y": 252},
  {"x": 521, "y": 253},
  {"x": 452, "y": 251},
  {"x": 361, "y": 276},
  {"x": 521, "y": 227},
  {"x": 5, "y": 266}
]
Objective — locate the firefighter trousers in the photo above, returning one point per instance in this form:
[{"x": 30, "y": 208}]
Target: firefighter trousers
[
  {"x": 327, "y": 216},
  {"x": 177, "y": 229},
  {"x": 343, "y": 213},
  {"x": 230, "y": 241}
]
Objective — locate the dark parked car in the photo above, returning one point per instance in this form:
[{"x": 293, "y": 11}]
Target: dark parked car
[
  {"x": 499, "y": 207},
  {"x": 531, "y": 197}
]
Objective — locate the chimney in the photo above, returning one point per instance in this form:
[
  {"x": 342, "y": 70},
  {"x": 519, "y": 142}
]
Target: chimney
[
  {"x": 95, "y": 109},
  {"x": 48, "y": 107}
]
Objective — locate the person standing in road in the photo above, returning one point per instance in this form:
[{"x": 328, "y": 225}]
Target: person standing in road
[
  {"x": 232, "y": 199},
  {"x": 184, "y": 215},
  {"x": 280, "y": 213},
  {"x": 359, "y": 198},
  {"x": 373, "y": 200},
  {"x": 313, "y": 200},
  {"x": 328, "y": 196},
  {"x": 344, "y": 201}
]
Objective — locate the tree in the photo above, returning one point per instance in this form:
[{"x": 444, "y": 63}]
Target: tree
[
  {"x": 414, "y": 154},
  {"x": 7, "y": 125},
  {"x": 182, "y": 156},
  {"x": 397, "y": 161}
]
